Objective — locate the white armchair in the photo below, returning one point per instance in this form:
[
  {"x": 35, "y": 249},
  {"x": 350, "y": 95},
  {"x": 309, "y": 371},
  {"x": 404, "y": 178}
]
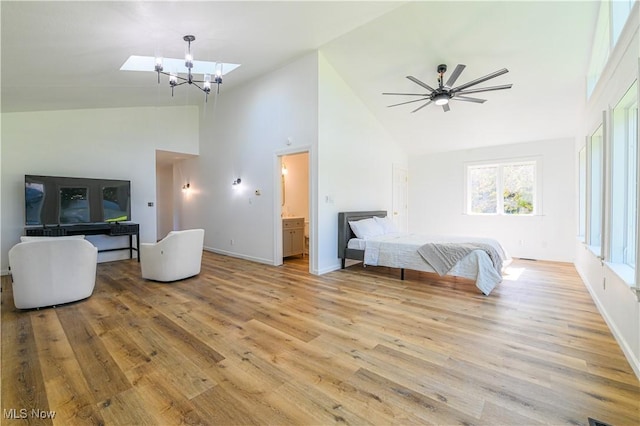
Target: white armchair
[
  {"x": 52, "y": 271},
  {"x": 175, "y": 257}
]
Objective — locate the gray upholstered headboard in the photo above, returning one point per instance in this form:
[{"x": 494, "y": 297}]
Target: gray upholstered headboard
[{"x": 345, "y": 233}]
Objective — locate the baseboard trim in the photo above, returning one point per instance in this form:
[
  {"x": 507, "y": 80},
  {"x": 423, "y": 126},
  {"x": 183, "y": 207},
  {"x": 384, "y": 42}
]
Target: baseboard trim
[
  {"x": 239, "y": 256},
  {"x": 622, "y": 342}
]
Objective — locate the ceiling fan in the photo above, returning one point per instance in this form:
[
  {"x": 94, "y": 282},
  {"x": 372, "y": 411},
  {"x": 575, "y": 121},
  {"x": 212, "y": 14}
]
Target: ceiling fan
[{"x": 445, "y": 92}]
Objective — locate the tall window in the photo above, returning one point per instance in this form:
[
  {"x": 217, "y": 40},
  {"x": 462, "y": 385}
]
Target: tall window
[
  {"x": 505, "y": 188},
  {"x": 582, "y": 194},
  {"x": 623, "y": 179},
  {"x": 600, "y": 47},
  {"x": 596, "y": 163},
  {"x": 620, "y": 10},
  {"x": 612, "y": 16}
]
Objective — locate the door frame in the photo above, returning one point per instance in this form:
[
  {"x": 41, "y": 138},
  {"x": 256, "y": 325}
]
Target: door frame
[{"x": 277, "y": 204}]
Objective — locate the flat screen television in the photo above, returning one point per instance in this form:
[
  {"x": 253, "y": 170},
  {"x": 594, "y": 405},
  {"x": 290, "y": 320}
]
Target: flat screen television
[{"x": 58, "y": 200}]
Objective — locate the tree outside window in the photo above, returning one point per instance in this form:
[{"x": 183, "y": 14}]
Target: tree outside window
[
  {"x": 483, "y": 184},
  {"x": 508, "y": 188}
]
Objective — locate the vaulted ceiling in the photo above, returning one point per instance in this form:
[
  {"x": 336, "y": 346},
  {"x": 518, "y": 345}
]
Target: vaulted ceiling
[{"x": 67, "y": 55}]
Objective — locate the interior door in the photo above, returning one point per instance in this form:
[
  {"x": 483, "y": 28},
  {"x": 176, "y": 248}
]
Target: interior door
[{"x": 400, "y": 198}]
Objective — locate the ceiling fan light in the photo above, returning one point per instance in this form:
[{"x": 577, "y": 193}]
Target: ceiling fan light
[{"x": 441, "y": 99}]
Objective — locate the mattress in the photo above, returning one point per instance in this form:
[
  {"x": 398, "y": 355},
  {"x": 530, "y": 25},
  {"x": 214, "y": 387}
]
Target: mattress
[
  {"x": 357, "y": 244},
  {"x": 401, "y": 251}
]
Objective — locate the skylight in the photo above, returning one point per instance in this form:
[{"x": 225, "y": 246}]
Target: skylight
[{"x": 148, "y": 63}]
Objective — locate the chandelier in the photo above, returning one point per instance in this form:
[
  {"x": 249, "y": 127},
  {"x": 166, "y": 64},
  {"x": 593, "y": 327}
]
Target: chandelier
[{"x": 177, "y": 80}]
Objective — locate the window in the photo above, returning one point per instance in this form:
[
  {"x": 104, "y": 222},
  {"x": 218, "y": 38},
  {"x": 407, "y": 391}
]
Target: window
[
  {"x": 612, "y": 17},
  {"x": 596, "y": 165},
  {"x": 600, "y": 48},
  {"x": 620, "y": 11},
  {"x": 623, "y": 179},
  {"x": 582, "y": 194},
  {"x": 505, "y": 188}
]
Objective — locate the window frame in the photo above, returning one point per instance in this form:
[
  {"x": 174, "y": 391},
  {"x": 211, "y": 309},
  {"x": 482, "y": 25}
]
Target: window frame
[
  {"x": 583, "y": 185},
  {"x": 612, "y": 19},
  {"x": 623, "y": 187},
  {"x": 596, "y": 216},
  {"x": 536, "y": 161}
]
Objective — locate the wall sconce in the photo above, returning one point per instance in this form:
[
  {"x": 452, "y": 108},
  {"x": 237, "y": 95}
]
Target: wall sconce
[
  {"x": 237, "y": 181},
  {"x": 186, "y": 187}
]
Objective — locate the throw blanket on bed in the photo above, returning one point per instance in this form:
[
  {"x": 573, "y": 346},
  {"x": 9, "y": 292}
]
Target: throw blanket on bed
[{"x": 443, "y": 256}]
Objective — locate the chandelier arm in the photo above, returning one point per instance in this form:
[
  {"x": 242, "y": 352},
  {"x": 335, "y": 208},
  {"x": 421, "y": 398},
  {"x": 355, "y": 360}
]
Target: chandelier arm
[
  {"x": 181, "y": 78},
  {"x": 168, "y": 74},
  {"x": 174, "y": 77},
  {"x": 206, "y": 92}
]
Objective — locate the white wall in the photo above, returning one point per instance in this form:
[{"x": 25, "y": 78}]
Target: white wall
[
  {"x": 296, "y": 184},
  {"x": 355, "y": 160},
  {"x": 307, "y": 103},
  {"x": 241, "y": 135},
  {"x": 613, "y": 296},
  {"x": 437, "y": 205},
  {"x": 117, "y": 143},
  {"x": 164, "y": 199}
]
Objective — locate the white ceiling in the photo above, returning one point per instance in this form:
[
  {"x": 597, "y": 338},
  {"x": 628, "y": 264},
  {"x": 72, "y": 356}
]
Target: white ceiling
[{"x": 67, "y": 55}]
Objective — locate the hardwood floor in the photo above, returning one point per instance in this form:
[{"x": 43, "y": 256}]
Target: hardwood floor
[{"x": 245, "y": 343}]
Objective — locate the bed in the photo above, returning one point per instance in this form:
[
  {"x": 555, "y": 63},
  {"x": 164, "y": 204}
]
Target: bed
[{"x": 406, "y": 251}]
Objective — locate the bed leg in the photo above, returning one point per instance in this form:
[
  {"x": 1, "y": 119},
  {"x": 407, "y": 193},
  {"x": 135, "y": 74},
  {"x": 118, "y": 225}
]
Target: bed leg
[
  {"x": 343, "y": 262},
  {"x": 402, "y": 274}
]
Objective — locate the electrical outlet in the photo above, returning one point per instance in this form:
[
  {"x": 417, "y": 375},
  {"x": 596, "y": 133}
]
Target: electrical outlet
[{"x": 231, "y": 241}]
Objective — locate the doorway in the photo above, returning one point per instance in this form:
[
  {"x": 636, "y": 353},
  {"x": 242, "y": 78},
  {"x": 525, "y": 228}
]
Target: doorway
[
  {"x": 169, "y": 197},
  {"x": 295, "y": 207}
]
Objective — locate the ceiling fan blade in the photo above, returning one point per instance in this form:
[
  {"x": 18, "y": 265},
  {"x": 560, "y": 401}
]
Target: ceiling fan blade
[
  {"x": 468, "y": 99},
  {"x": 445, "y": 107},
  {"x": 418, "y": 82},
  {"x": 480, "y": 80},
  {"x": 454, "y": 76},
  {"x": 420, "y": 107},
  {"x": 484, "y": 89},
  {"x": 407, "y": 94},
  {"x": 408, "y": 102}
]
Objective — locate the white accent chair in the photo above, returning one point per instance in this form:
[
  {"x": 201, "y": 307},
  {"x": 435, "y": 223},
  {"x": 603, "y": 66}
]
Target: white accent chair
[
  {"x": 175, "y": 257},
  {"x": 49, "y": 271}
]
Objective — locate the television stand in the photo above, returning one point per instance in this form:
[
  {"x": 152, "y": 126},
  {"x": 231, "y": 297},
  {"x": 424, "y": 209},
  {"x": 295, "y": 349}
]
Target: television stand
[{"x": 110, "y": 229}]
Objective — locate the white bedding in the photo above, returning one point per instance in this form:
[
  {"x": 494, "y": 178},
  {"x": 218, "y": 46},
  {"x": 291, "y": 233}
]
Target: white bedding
[
  {"x": 401, "y": 251},
  {"x": 357, "y": 244}
]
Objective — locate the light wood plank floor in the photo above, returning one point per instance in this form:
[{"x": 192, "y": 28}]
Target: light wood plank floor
[{"x": 245, "y": 343}]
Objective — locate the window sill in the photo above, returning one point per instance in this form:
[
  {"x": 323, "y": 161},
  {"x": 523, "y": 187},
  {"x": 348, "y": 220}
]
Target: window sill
[
  {"x": 625, "y": 272},
  {"x": 596, "y": 250}
]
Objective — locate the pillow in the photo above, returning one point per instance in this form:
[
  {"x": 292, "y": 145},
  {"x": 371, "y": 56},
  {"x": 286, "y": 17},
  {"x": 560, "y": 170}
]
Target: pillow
[
  {"x": 386, "y": 224},
  {"x": 366, "y": 228},
  {"x": 68, "y": 237}
]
